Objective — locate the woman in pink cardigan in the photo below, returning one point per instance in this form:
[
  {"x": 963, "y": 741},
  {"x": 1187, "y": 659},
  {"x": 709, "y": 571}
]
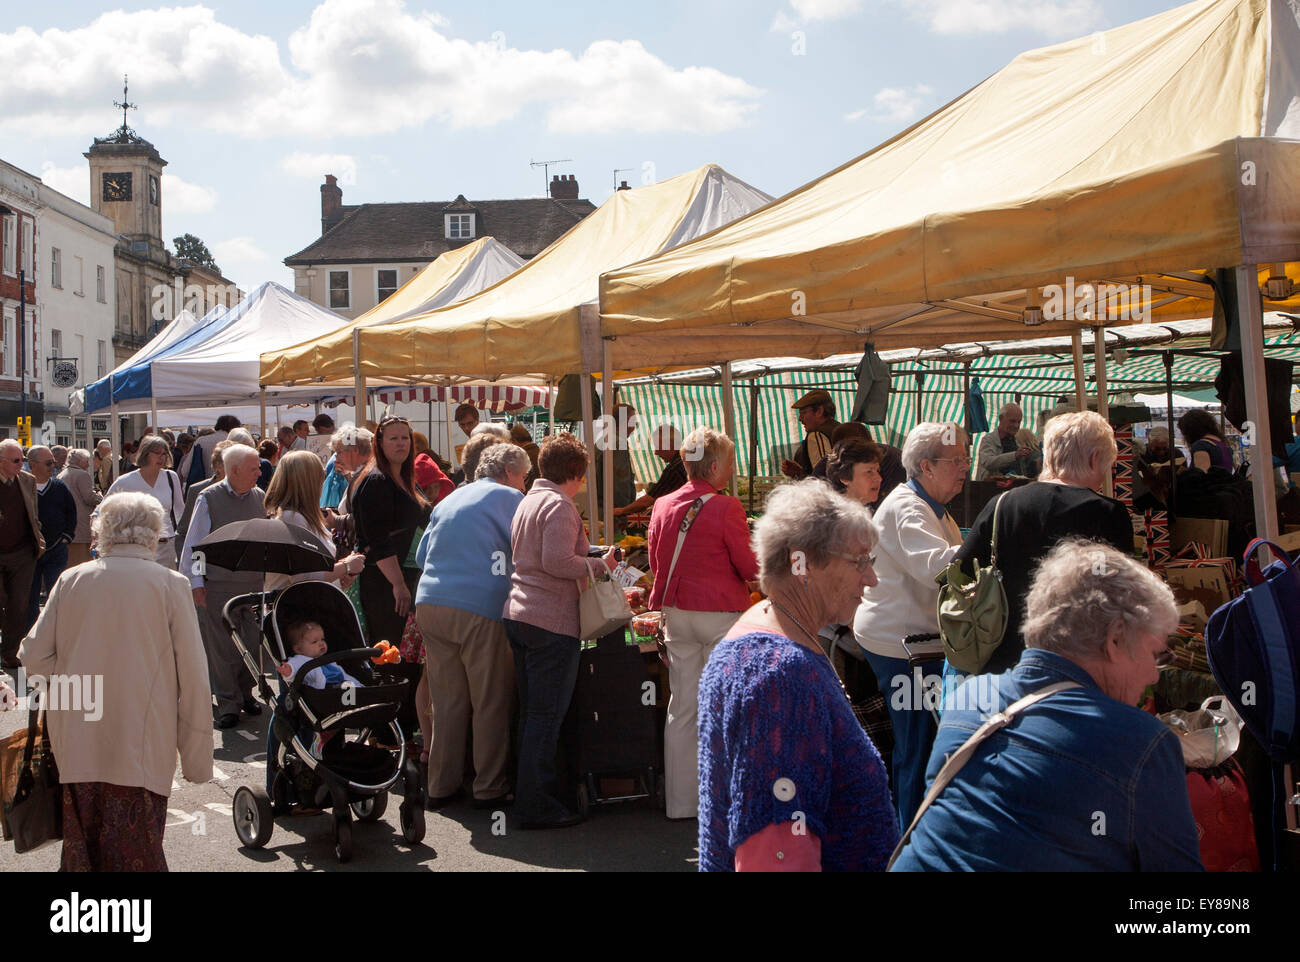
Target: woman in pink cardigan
[
  {"x": 549, "y": 549},
  {"x": 701, "y": 597}
]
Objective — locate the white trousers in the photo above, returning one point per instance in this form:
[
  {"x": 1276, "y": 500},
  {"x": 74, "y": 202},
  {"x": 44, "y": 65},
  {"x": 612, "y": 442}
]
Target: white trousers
[{"x": 690, "y": 637}]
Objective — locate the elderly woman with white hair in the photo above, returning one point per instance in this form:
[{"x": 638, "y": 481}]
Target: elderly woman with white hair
[
  {"x": 1081, "y": 780},
  {"x": 124, "y": 628},
  {"x": 1078, "y": 451},
  {"x": 351, "y": 446},
  {"x": 918, "y": 538},
  {"x": 698, "y": 542},
  {"x": 77, "y": 476},
  {"x": 789, "y": 781}
]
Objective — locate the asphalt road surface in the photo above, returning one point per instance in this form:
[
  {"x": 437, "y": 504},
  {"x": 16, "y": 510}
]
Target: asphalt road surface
[{"x": 628, "y": 836}]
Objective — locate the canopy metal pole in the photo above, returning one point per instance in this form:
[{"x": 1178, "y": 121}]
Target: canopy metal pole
[
  {"x": 114, "y": 434},
  {"x": 618, "y": 440},
  {"x": 153, "y": 415},
  {"x": 1080, "y": 378},
  {"x": 448, "y": 411},
  {"x": 588, "y": 437},
  {"x": 360, "y": 382},
  {"x": 1169, "y": 420},
  {"x": 1103, "y": 399},
  {"x": 969, "y": 425},
  {"x": 1252, "y": 368},
  {"x": 729, "y": 416},
  {"x": 261, "y": 402},
  {"x": 753, "y": 437}
]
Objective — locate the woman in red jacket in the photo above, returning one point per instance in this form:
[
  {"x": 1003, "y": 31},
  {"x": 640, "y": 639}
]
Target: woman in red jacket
[{"x": 701, "y": 594}]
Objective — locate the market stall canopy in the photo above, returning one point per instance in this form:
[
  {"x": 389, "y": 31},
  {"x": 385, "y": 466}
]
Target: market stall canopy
[
  {"x": 527, "y": 326},
  {"x": 95, "y": 396},
  {"x": 492, "y": 397},
  {"x": 452, "y": 277},
  {"x": 1135, "y": 156},
  {"x": 221, "y": 368},
  {"x": 1034, "y": 372}
]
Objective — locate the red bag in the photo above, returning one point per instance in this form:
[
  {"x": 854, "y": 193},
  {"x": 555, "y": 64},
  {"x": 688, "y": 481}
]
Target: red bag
[{"x": 1221, "y": 807}]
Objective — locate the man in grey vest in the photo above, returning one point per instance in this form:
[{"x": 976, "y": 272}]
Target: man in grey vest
[{"x": 237, "y": 498}]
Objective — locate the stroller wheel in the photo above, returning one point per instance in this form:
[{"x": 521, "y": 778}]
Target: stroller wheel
[
  {"x": 371, "y": 809},
  {"x": 343, "y": 837},
  {"x": 254, "y": 821},
  {"x": 412, "y": 819}
]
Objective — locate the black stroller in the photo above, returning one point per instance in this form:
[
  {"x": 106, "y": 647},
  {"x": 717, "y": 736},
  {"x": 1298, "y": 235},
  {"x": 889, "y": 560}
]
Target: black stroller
[{"x": 352, "y": 775}]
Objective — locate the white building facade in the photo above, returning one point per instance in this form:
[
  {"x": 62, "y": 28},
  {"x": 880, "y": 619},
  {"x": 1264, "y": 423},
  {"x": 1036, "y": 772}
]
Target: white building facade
[{"x": 76, "y": 291}]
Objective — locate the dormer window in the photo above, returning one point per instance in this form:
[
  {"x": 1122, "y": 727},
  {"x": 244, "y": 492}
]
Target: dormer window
[{"x": 459, "y": 226}]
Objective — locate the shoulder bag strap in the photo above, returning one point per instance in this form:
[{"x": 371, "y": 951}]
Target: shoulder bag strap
[
  {"x": 962, "y": 755},
  {"x": 171, "y": 505},
  {"x": 692, "y": 513},
  {"x": 993, "y": 543}
]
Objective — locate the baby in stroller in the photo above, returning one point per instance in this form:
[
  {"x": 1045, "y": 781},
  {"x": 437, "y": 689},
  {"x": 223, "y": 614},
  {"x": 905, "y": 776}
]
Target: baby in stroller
[{"x": 307, "y": 640}]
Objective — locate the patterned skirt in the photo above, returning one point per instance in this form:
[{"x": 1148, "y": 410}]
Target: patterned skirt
[{"x": 111, "y": 828}]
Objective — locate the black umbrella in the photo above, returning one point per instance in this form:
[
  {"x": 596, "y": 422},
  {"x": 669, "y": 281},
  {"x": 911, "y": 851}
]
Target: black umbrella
[{"x": 265, "y": 544}]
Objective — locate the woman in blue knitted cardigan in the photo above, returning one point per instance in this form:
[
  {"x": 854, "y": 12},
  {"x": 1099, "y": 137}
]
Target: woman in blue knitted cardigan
[{"x": 788, "y": 779}]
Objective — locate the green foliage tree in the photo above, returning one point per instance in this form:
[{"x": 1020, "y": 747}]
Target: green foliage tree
[{"x": 190, "y": 248}]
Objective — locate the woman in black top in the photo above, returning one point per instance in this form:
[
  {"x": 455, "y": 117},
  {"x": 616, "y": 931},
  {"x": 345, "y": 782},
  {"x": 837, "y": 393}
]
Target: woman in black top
[
  {"x": 387, "y": 510},
  {"x": 1078, "y": 452}
]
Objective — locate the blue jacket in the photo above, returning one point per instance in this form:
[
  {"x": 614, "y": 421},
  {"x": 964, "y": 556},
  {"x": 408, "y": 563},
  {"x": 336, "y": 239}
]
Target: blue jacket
[
  {"x": 1079, "y": 782},
  {"x": 465, "y": 552}
]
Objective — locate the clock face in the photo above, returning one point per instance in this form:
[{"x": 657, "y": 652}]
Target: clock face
[
  {"x": 117, "y": 187},
  {"x": 153, "y": 190}
]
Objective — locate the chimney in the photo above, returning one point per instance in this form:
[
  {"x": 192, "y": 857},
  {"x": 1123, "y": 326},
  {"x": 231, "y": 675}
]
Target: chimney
[
  {"x": 563, "y": 187},
  {"x": 331, "y": 203},
  {"x": 623, "y": 185}
]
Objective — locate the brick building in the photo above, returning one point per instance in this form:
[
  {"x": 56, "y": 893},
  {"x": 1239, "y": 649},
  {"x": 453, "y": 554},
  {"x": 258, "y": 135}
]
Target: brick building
[{"x": 367, "y": 251}]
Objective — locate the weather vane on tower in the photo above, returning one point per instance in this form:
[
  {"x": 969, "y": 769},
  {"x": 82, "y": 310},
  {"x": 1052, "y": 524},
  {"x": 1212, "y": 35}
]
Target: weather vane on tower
[{"x": 125, "y": 105}]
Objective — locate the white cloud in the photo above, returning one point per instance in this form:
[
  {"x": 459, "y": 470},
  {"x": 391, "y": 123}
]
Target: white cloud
[
  {"x": 316, "y": 166},
  {"x": 892, "y": 105},
  {"x": 356, "y": 67},
  {"x": 182, "y": 197},
  {"x": 238, "y": 250},
  {"x": 1052, "y": 18},
  {"x": 72, "y": 181},
  {"x": 807, "y": 11}
]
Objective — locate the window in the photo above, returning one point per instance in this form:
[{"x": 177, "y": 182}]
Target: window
[
  {"x": 103, "y": 357},
  {"x": 100, "y": 285},
  {"x": 56, "y": 342},
  {"x": 29, "y": 247},
  {"x": 56, "y": 268},
  {"x": 460, "y": 227},
  {"x": 385, "y": 283},
  {"x": 10, "y": 363},
  {"x": 340, "y": 290},
  {"x": 9, "y": 241},
  {"x": 80, "y": 289}
]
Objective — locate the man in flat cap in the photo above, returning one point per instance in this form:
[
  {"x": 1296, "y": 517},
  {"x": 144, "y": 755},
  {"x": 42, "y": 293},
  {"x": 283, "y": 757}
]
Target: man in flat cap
[{"x": 817, "y": 415}]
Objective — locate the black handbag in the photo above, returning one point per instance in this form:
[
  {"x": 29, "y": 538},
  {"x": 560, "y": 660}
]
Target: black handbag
[{"x": 33, "y": 811}]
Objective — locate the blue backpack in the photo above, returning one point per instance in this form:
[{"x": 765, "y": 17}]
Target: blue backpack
[{"x": 1253, "y": 646}]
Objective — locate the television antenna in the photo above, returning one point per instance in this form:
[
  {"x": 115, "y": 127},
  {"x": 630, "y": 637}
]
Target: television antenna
[
  {"x": 621, "y": 170},
  {"x": 546, "y": 172}
]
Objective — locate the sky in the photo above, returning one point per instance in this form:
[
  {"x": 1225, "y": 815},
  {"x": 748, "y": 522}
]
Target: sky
[{"x": 251, "y": 104}]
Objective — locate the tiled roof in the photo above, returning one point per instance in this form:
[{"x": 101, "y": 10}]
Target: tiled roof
[{"x": 415, "y": 232}]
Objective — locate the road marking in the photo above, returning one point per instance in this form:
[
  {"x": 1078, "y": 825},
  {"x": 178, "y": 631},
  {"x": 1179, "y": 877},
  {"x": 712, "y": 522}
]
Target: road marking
[
  {"x": 185, "y": 817},
  {"x": 249, "y": 735},
  {"x": 221, "y": 808},
  {"x": 218, "y": 774}
]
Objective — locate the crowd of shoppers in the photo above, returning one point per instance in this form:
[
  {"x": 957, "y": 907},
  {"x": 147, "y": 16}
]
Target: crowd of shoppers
[{"x": 487, "y": 572}]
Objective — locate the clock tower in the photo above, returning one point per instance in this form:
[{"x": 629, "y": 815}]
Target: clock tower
[{"x": 126, "y": 185}]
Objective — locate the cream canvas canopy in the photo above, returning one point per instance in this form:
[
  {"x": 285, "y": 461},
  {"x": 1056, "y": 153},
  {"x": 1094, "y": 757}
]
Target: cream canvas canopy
[
  {"x": 527, "y": 327},
  {"x": 1142, "y": 155},
  {"x": 453, "y": 276}
]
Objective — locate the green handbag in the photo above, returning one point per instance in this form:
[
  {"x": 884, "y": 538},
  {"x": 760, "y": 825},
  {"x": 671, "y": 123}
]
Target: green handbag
[{"x": 972, "y": 611}]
